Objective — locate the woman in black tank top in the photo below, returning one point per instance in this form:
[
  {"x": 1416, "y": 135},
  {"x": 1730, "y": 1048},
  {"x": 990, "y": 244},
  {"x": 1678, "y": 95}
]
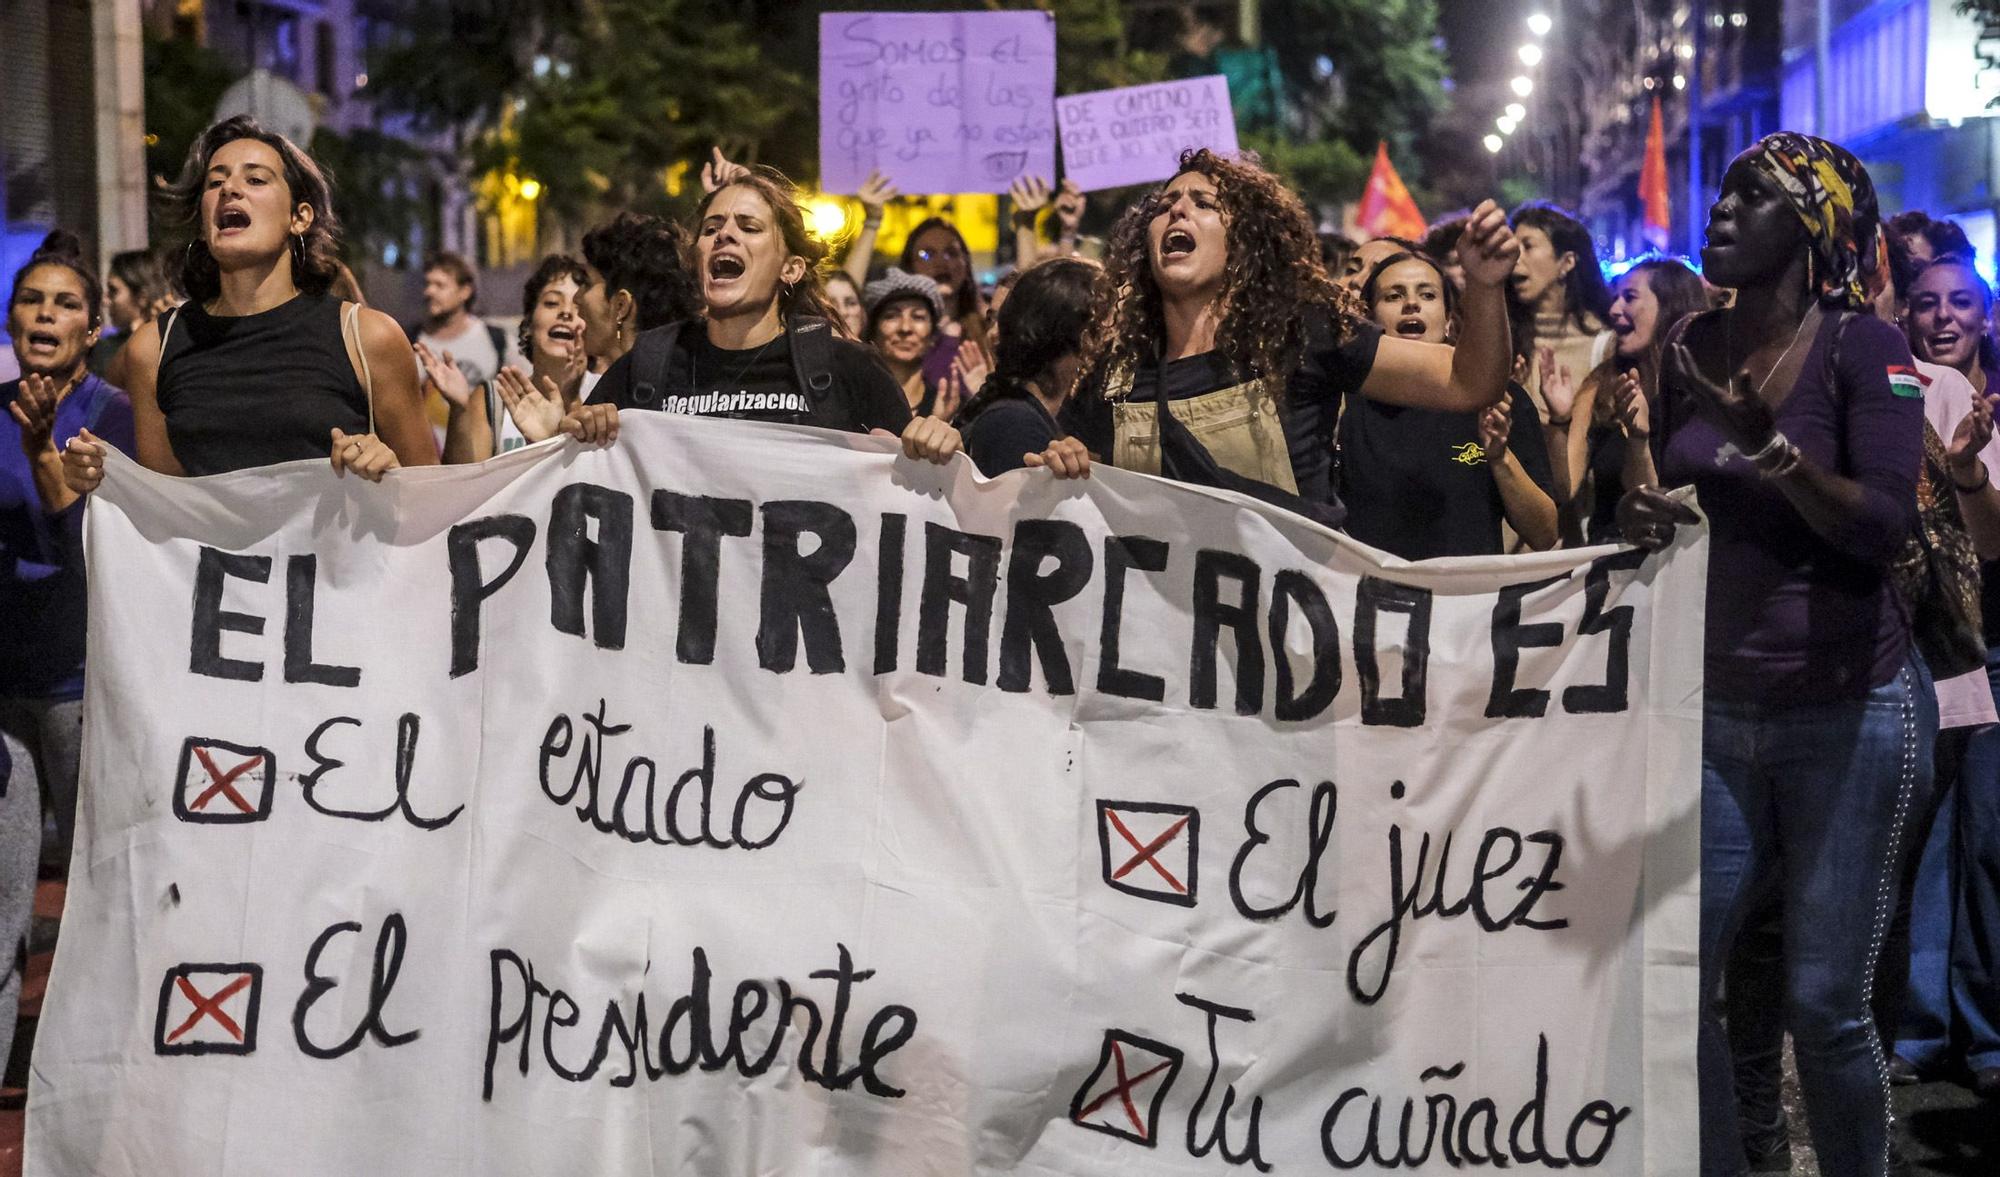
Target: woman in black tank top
[{"x": 261, "y": 365}]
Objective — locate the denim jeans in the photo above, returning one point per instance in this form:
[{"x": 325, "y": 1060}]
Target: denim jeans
[
  {"x": 1954, "y": 1008},
  {"x": 1805, "y": 806}
]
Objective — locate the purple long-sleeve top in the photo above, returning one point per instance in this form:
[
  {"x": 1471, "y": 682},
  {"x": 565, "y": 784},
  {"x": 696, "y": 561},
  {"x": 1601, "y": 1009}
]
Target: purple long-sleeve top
[
  {"x": 1793, "y": 614},
  {"x": 41, "y": 551}
]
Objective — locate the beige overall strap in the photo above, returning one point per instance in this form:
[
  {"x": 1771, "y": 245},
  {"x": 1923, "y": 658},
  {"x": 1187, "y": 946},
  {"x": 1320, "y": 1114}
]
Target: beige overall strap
[{"x": 350, "y": 332}]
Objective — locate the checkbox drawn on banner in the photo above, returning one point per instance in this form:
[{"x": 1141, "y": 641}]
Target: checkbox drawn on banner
[
  {"x": 209, "y": 1009},
  {"x": 223, "y": 783},
  {"x": 1126, "y": 1090},
  {"x": 1150, "y": 850}
]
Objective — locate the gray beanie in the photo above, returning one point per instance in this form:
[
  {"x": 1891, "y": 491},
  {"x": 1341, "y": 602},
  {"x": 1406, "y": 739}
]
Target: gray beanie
[{"x": 900, "y": 283}]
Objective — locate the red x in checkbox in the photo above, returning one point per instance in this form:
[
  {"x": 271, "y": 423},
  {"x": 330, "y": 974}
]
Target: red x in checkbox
[
  {"x": 1150, "y": 850},
  {"x": 208, "y": 1009},
  {"x": 223, "y": 783},
  {"x": 1124, "y": 1093}
]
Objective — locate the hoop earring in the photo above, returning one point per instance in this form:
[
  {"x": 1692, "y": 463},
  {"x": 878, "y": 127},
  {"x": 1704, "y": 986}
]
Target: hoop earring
[{"x": 298, "y": 255}]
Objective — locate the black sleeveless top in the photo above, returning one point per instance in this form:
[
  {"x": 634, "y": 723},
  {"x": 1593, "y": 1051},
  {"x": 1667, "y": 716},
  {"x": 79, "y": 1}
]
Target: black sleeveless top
[{"x": 251, "y": 390}]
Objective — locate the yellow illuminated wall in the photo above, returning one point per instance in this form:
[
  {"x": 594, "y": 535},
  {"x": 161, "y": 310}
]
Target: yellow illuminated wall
[{"x": 837, "y": 220}]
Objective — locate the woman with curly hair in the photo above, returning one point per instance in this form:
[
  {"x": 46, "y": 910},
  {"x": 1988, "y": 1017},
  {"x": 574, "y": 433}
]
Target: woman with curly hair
[
  {"x": 260, "y": 365},
  {"x": 1225, "y": 350},
  {"x": 639, "y": 274}
]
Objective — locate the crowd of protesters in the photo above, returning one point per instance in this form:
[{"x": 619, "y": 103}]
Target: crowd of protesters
[{"x": 1824, "y": 380}]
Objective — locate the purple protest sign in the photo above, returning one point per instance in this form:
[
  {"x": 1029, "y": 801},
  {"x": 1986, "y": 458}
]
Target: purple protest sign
[
  {"x": 938, "y": 101},
  {"x": 1112, "y": 138}
]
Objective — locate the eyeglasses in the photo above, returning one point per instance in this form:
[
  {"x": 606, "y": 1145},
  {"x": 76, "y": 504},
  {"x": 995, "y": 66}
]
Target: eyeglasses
[{"x": 949, "y": 253}]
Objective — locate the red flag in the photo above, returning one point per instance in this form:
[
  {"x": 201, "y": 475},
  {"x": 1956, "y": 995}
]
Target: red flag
[
  {"x": 1659, "y": 218},
  {"x": 1386, "y": 207}
]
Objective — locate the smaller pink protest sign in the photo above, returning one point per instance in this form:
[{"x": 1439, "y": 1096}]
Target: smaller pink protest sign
[{"x": 1135, "y": 135}]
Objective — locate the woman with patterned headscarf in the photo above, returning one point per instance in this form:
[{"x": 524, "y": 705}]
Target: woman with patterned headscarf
[{"x": 1799, "y": 418}]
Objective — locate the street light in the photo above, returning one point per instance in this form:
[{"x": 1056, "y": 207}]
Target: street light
[
  {"x": 1494, "y": 143},
  {"x": 531, "y": 189},
  {"x": 1540, "y": 24},
  {"x": 1523, "y": 86},
  {"x": 1531, "y": 55},
  {"x": 827, "y": 216},
  {"x": 1517, "y": 112}
]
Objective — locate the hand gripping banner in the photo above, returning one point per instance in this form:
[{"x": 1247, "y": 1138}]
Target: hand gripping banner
[{"x": 741, "y": 799}]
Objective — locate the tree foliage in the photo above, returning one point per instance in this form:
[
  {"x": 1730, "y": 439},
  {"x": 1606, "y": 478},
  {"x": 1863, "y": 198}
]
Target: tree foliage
[
  {"x": 184, "y": 82},
  {"x": 614, "y": 103}
]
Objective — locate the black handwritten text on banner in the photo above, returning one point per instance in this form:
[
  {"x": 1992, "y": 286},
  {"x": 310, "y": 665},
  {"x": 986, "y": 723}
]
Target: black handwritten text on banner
[{"x": 744, "y": 799}]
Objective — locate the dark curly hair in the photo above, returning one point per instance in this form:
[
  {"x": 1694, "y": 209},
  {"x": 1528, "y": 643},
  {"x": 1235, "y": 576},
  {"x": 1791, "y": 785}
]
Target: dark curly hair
[
  {"x": 648, "y": 258},
  {"x": 61, "y": 248},
  {"x": 807, "y": 296},
  {"x": 315, "y": 254},
  {"x": 554, "y": 268},
  {"x": 1273, "y": 275}
]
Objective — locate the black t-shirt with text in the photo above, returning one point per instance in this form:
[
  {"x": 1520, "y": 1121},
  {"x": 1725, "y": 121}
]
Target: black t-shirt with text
[
  {"x": 1335, "y": 361},
  {"x": 760, "y": 384},
  {"x": 1417, "y": 484}
]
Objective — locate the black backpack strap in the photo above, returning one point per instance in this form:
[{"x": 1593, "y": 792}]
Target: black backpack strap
[
  {"x": 499, "y": 341},
  {"x": 651, "y": 352},
  {"x": 411, "y": 331},
  {"x": 812, "y": 354}
]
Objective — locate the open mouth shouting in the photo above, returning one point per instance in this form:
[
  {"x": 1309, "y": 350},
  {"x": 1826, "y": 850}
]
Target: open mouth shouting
[
  {"x": 230, "y": 220},
  {"x": 1176, "y": 244},
  {"x": 724, "y": 268},
  {"x": 1412, "y": 327},
  {"x": 43, "y": 345}
]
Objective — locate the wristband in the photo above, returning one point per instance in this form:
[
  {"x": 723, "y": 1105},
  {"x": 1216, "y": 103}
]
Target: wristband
[
  {"x": 1985, "y": 480},
  {"x": 871, "y": 222},
  {"x": 1777, "y": 458},
  {"x": 1769, "y": 450}
]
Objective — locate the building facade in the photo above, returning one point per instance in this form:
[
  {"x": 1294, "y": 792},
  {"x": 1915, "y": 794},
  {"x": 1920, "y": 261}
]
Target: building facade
[
  {"x": 72, "y": 133},
  {"x": 1715, "y": 67},
  {"x": 1901, "y": 84}
]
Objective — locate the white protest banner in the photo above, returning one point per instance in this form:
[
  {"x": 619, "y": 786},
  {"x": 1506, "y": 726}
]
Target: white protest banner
[
  {"x": 1111, "y": 138},
  {"x": 742, "y": 799},
  {"x": 937, "y": 101}
]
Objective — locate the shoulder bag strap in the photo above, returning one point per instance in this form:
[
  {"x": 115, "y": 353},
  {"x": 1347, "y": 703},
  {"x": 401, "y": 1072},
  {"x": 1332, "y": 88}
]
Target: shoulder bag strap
[
  {"x": 350, "y": 332},
  {"x": 166, "y": 333}
]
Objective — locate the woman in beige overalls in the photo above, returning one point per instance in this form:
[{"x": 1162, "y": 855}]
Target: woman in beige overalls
[{"x": 1225, "y": 317}]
